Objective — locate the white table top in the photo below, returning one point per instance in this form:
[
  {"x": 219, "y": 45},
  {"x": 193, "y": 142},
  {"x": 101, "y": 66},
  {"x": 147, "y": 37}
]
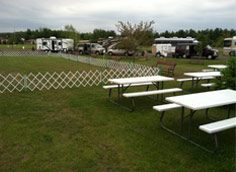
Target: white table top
[
  {"x": 203, "y": 74},
  {"x": 134, "y": 80},
  {"x": 205, "y": 100},
  {"x": 218, "y": 66}
]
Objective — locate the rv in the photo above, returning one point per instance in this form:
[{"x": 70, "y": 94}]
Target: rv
[
  {"x": 229, "y": 46},
  {"x": 181, "y": 47},
  {"x": 54, "y": 44},
  {"x": 164, "y": 46}
]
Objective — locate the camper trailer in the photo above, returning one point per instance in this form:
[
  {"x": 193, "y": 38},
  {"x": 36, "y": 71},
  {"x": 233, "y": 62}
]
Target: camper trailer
[
  {"x": 54, "y": 44},
  {"x": 229, "y": 46}
]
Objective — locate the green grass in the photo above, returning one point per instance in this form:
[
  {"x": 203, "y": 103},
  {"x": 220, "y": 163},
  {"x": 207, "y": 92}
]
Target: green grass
[
  {"x": 79, "y": 130},
  {"x": 35, "y": 64},
  {"x": 16, "y": 47}
]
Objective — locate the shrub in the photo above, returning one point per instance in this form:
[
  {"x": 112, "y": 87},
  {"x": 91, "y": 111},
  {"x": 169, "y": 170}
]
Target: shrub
[{"x": 228, "y": 80}]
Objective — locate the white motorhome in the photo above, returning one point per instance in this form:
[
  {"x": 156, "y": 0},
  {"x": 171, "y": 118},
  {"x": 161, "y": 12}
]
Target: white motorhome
[
  {"x": 230, "y": 46},
  {"x": 163, "y": 46},
  {"x": 54, "y": 44}
]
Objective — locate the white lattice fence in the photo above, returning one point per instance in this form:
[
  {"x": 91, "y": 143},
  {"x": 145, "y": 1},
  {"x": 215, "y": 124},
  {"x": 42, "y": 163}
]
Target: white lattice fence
[{"x": 39, "y": 81}]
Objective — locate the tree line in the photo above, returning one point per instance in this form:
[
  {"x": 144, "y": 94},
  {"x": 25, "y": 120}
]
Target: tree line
[{"x": 213, "y": 37}]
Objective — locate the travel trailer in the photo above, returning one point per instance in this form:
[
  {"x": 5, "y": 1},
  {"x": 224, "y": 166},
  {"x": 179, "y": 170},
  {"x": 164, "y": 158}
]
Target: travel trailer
[
  {"x": 229, "y": 46},
  {"x": 54, "y": 44}
]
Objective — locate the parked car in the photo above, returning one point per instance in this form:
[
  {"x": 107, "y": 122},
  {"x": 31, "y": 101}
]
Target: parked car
[
  {"x": 210, "y": 53},
  {"x": 115, "y": 49},
  {"x": 188, "y": 50},
  {"x": 91, "y": 48}
]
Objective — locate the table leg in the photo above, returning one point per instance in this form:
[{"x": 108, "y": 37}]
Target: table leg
[
  {"x": 182, "y": 121},
  {"x": 162, "y": 87},
  {"x": 192, "y": 83},
  {"x": 190, "y": 122},
  {"x": 118, "y": 92}
]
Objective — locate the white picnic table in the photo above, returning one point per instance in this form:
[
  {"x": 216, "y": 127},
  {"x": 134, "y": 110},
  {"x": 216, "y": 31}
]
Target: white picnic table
[
  {"x": 200, "y": 101},
  {"x": 196, "y": 76},
  {"x": 134, "y": 80},
  {"x": 124, "y": 83},
  {"x": 218, "y": 66},
  {"x": 205, "y": 100}
]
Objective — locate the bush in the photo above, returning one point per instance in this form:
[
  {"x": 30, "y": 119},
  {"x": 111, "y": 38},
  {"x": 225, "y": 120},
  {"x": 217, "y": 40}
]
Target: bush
[{"x": 228, "y": 80}]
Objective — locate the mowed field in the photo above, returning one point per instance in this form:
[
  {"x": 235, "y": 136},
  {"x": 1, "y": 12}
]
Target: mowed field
[
  {"x": 17, "y": 47},
  {"x": 79, "y": 130}
]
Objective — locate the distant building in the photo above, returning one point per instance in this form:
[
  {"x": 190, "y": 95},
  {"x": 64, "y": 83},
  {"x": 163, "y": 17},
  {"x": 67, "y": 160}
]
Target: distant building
[
  {"x": 30, "y": 41},
  {"x": 4, "y": 41}
]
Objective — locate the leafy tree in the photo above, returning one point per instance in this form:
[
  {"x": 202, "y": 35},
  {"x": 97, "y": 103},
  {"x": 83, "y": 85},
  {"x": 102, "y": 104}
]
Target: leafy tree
[
  {"x": 228, "y": 79},
  {"x": 71, "y": 32},
  {"x": 134, "y": 35},
  {"x": 12, "y": 39}
]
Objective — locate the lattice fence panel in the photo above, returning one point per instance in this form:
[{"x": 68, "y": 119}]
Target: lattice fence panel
[{"x": 40, "y": 81}]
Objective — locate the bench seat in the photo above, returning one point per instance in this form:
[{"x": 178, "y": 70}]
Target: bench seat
[
  {"x": 207, "y": 84},
  {"x": 208, "y": 70},
  {"x": 148, "y": 93},
  {"x": 166, "y": 107},
  {"x": 190, "y": 79},
  {"x": 126, "y": 85},
  {"x": 218, "y": 126}
]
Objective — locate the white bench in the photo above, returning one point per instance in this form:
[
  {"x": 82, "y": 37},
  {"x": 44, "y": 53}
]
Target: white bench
[
  {"x": 110, "y": 87},
  {"x": 127, "y": 85},
  {"x": 215, "y": 127},
  {"x": 208, "y": 85},
  {"x": 208, "y": 70},
  {"x": 182, "y": 80},
  {"x": 166, "y": 107},
  {"x": 218, "y": 126},
  {"x": 149, "y": 93}
]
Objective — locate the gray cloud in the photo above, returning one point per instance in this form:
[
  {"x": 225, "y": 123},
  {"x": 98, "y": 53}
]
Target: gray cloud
[{"x": 87, "y": 15}]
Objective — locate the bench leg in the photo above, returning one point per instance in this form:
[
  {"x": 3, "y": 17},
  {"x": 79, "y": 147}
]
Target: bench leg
[
  {"x": 181, "y": 84},
  {"x": 187, "y": 139},
  {"x": 229, "y": 110},
  {"x": 109, "y": 95},
  {"x": 208, "y": 117}
]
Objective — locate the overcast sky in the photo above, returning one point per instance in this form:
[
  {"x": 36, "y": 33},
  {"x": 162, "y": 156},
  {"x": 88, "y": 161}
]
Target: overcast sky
[{"x": 86, "y": 15}]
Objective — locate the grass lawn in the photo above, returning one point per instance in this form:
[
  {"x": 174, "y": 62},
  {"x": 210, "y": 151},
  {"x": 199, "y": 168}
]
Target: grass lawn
[
  {"x": 79, "y": 130},
  {"x": 16, "y": 46}
]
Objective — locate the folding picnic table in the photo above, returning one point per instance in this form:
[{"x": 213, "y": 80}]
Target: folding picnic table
[
  {"x": 215, "y": 67},
  {"x": 156, "y": 80},
  {"x": 196, "y": 76},
  {"x": 199, "y": 101}
]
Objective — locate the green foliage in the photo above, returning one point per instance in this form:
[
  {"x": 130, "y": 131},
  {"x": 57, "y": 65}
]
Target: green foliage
[
  {"x": 228, "y": 80},
  {"x": 71, "y": 32},
  {"x": 100, "y": 33},
  {"x": 135, "y": 35},
  {"x": 12, "y": 39}
]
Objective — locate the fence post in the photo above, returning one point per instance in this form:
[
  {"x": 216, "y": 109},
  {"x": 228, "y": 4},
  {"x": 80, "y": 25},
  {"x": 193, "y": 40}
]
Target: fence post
[
  {"x": 101, "y": 82},
  {"x": 89, "y": 60},
  {"x": 159, "y": 70},
  {"x": 77, "y": 58},
  {"x": 106, "y": 63},
  {"x": 129, "y": 71},
  {"x": 25, "y": 82}
]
